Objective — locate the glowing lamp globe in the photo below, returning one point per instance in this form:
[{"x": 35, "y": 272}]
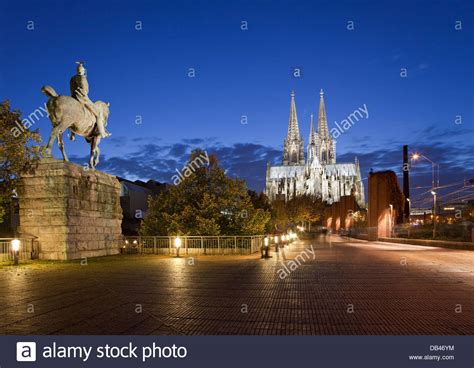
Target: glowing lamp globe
[{"x": 16, "y": 245}]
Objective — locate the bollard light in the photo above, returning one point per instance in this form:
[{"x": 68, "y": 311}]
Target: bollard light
[
  {"x": 16, "y": 250},
  {"x": 16, "y": 245},
  {"x": 276, "y": 239},
  {"x": 177, "y": 245},
  {"x": 266, "y": 241},
  {"x": 283, "y": 238}
]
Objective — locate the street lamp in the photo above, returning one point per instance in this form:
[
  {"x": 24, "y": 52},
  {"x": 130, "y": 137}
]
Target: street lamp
[
  {"x": 434, "y": 213},
  {"x": 16, "y": 250},
  {"x": 391, "y": 218},
  {"x": 177, "y": 245},
  {"x": 409, "y": 216},
  {"x": 416, "y": 156}
]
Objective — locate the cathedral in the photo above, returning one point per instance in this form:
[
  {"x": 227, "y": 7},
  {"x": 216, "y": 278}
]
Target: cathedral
[{"x": 318, "y": 174}]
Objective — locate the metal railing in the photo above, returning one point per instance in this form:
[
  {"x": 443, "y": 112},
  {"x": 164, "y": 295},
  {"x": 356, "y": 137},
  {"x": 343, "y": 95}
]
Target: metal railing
[
  {"x": 29, "y": 249},
  {"x": 195, "y": 245}
]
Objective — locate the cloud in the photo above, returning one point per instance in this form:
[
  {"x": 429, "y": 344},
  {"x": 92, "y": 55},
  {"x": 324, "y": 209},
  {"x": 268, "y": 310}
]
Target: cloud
[
  {"x": 160, "y": 161},
  {"x": 248, "y": 160},
  {"x": 455, "y": 158}
]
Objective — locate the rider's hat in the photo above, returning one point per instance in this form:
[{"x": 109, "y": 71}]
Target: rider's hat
[{"x": 80, "y": 67}]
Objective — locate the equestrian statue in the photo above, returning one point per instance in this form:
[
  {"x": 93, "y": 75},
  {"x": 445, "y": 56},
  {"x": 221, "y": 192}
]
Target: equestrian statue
[{"x": 78, "y": 114}]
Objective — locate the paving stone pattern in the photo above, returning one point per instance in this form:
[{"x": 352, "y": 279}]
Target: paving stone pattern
[{"x": 351, "y": 287}]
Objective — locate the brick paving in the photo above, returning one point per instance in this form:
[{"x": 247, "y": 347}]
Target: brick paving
[{"x": 351, "y": 287}]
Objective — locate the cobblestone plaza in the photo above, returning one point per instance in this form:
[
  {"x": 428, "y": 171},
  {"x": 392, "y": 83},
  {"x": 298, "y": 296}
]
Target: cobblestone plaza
[{"x": 350, "y": 287}]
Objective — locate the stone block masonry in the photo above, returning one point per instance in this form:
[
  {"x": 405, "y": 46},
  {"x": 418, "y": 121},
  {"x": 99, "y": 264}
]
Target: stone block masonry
[{"x": 74, "y": 212}]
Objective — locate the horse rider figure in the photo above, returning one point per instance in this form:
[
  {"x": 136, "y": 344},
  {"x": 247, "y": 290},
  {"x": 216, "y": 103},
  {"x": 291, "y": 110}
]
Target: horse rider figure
[{"x": 79, "y": 91}]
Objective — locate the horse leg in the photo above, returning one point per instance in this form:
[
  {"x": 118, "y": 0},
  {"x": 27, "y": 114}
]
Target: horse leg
[
  {"x": 91, "y": 156},
  {"x": 97, "y": 154},
  {"x": 72, "y": 135},
  {"x": 92, "y": 160},
  {"x": 61, "y": 146},
  {"x": 52, "y": 137}
]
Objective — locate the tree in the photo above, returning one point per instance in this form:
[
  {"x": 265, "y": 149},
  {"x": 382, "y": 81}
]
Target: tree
[
  {"x": 280, "y": 220},
  {"x": 305, "y": 208},
  {"x": 261, "y": 201},
  {"x": 360, "y": 218},
  {"x": 204, "y": 202},
  {"x": 18, "y": 153}
]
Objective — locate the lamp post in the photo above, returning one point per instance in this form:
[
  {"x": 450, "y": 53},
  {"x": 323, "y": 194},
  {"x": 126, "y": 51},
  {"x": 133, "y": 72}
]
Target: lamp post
[
  {"x": 16, "y": 250},
  {"x": 391, "y": 218},
  {"x": 434, "y": 213},
  {"x": 265, "y": 243},
  {"x": 416, "y": 156},
  {"x": 177, "y": 245},
  {"x": 409, "y": 216},
  {"x": 409, "y": 208}
]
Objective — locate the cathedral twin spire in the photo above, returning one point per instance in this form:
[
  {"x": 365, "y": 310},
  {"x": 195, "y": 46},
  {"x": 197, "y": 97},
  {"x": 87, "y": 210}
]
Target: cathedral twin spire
[
  {"x": 323, "y": 130},
  {"x": 320, "y": 144},
  {"x": 325, "y": 146},
  {"x": 293, "y": 153},
  {"x": 293, "y": 129}
]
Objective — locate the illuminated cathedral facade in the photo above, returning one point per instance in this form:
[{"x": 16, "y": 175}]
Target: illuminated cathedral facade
[{"x": 317, "y": 175}]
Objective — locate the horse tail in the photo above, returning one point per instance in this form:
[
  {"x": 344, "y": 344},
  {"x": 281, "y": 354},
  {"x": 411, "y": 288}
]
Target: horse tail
[{"x": 49, "y": 91}]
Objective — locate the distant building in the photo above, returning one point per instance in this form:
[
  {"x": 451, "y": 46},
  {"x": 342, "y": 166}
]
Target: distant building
[
  {"x": 420, "y": 215},
  {"x": 134, "y": 201},
  {"x": 455, "y": 208},
  {"x": 319, "y": 174}
]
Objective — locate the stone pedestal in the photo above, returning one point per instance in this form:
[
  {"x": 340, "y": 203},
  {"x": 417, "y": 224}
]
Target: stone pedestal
[{"x": 73, "y": 211}]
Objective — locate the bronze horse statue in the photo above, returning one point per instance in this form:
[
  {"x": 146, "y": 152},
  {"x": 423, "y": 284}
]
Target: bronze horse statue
[{"x": 68, "y": 113}]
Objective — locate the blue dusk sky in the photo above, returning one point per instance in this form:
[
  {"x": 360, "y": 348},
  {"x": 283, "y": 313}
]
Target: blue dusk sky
[{"x": 139, "y": 53}]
